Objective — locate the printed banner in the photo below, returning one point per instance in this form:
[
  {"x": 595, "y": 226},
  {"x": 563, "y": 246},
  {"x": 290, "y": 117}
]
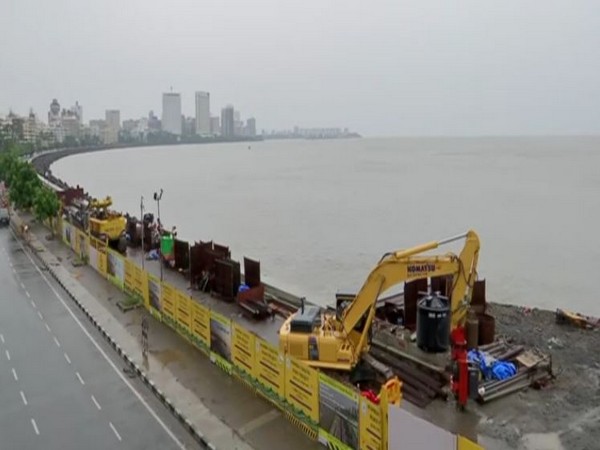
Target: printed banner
[
  {"x": 220, "y": 341},
  {"x": 200, "y": 326},
  {"x": 93, "y": 260},
  {"x": 84, "y": 245},
  {"x": 242, "y": 349},
  {"x": 338, "y": 414},
  {"x": 270, "y": 371},
  {"x": 302, "y": 389},
  {"x": 168, "y": 302},
  {"x": 115, "y": 270},
  {"x": 371, "y": 425},
  {"x": 184, "y": 316},
  {"x": 154, "y": 294},
  {"x": 66, "y": 233}
]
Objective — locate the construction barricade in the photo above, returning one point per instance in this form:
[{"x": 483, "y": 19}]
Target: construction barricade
[{"x": 324, "y": 408}]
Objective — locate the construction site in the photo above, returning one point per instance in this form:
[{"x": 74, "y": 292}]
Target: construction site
[{"x": 504, "y": 376}]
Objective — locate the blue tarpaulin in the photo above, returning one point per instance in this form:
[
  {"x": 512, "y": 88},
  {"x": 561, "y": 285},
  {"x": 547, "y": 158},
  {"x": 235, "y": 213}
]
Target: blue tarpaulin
[{"x": 490, "y": 367}]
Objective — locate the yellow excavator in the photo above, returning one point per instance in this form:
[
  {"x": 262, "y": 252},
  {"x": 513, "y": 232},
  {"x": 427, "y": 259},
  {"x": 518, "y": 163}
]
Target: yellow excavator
[{"x": 337, "y": 341}]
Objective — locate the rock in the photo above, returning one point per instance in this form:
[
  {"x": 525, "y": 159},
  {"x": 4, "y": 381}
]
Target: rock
[{"x": 555, "y": 342}]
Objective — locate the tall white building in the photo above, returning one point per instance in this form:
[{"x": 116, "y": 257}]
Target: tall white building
[
  {"x": 113, "y": 125},
  {"x": 171, "y": 113},
  {"x": 203, "y": 113}
]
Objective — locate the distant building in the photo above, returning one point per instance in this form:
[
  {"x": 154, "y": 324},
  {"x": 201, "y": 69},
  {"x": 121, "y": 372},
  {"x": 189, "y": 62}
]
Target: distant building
[
  {"x": 77, "y": 110},
  {"x": 31, "y": 128},
  {"x": 153, "y": 122},
  {"x": 97, "y": 128},
  {"x": 70, "y": 123},
  {"x": 227, "y": 122},
  {"x": 238, "y": 124},
  {"x": 54, "y": 122},
  {"x": 171, "y": 113},
  {"x": 113, "y": 126},
  {"x": 203, "y": 113},
  {"x": 189, "y": 126},
  {"x": 215, "y": 126},
  {"x": 251, "y": 127}
]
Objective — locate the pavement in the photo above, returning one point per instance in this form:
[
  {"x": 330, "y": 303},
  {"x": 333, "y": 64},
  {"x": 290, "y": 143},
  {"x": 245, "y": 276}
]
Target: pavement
[
  {"x": 225, "y": 413},
  {"x": 61, "y": 387}
]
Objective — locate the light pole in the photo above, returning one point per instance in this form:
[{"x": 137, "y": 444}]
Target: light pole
[
  {"x": 142, "y": 219},
  {"x": 157, "y": 197}
]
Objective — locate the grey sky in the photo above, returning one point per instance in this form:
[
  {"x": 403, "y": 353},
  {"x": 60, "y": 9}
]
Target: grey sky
[{"x": 379, "y": 67}]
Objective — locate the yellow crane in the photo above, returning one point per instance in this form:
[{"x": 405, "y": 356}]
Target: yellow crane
[{"x": 337, "y": 341}]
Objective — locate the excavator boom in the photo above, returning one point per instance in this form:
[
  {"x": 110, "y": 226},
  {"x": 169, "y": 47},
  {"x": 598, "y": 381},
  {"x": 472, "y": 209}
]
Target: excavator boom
[{"x": 338, "y": 342}]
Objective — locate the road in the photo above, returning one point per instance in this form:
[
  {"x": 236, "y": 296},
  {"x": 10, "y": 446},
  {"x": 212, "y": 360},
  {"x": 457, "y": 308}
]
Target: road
[{"x": 61, "y": 385}]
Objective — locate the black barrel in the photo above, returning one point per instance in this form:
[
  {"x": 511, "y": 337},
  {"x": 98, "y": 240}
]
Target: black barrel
[{"x": 433, "y": 323}]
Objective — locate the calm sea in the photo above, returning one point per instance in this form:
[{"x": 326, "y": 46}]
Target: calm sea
[{"x": 319, "y": 214}]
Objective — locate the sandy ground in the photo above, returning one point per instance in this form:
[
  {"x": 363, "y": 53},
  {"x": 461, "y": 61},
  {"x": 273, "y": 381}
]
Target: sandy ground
[{"x": 564, "y": 415}]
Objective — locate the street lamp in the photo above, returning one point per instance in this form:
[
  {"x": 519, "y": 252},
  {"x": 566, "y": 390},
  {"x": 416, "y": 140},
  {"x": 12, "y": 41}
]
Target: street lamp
[
  {"x": 142, "y": 219},
  {"x": 157, "y": 198}
]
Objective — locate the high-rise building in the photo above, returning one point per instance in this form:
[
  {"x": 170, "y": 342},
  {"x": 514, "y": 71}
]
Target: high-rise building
[
  {"x": 215, "y": 127},
  {"x": 227, "y": 122},
  {"x": 171, "y": 113},
  {"x": 251, "y": 127},
  {"x": 202, "y": 113},
  {"x": 77, "y": 109},
  {"x": 54, "y": 122},
  {"x": 113, "y": 125}
]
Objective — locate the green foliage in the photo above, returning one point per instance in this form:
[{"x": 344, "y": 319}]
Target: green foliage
[
  {"x": 24, "y": 184},
  {"x": 46, "y": 204}
]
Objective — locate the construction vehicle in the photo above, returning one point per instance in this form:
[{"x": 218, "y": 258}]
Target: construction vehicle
[
  {"x": 106, "y": 224},
  {"x": 338, "y": 340}
]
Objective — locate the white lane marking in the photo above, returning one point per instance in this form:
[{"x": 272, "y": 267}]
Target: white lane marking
[
  {"x": 27, "y": 294},
  {"x": 33, "y": 304},
  {"x": 96, "y": 403},
  {"x": 23, "y": 398},
  {"x": 103, "y": 353},
  {"x": 35, "y": 428},
  {"x": 40, "y": 316},
  {"x": 47, "y": 327},
  {"x": 67, "y": 358},
  {"x": 15, "y": 374},
  {"x": 115, "y": 431},
  {"x": 2, "y": 338},
  {"x": 14, "y": 271},
  {"x": 23, "y": 286},
  {"x": 56, "y": 342},
  {"x": 80, "y": 379},
  {"x": 10, "y": 263},
  {"x": 7, "y": 355}
]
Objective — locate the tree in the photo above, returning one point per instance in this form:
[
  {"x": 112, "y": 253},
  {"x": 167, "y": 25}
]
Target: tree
[
  {"x": 23, "y": 183},
  {"x": 46, "y": 205}
]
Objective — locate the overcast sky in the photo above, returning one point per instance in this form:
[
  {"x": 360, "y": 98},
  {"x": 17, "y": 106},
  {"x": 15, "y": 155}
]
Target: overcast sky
[{"x": 380, "y": 67}]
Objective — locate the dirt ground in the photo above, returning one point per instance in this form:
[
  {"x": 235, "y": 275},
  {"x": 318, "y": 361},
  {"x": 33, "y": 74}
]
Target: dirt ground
[{"x": 566, "y": 414}]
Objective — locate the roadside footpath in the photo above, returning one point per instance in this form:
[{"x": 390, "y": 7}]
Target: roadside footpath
[{"x": 223, "y": 413}]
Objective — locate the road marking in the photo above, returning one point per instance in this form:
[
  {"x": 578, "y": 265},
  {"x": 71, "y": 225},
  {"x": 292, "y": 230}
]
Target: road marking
[
  {"x": 56, "y": 342},
  {"x": 35, "y": 428},
  {"x": 27, "y": 294},
  {"x": 96, "y": 403},
  {"x": 48, "y": 328},
  {"x": 7, "y": 355},
  {"x": 33, "y": 304},
  {"x": 24, "y": 399},
  {"x": 40, "y": 316},
  {"x": 10, "y": 263},
  {"x": 23, "y": 286},
  {"x": 67, "y": 358},
  {"x": 14, "y": 271},
  {"x": 15, "y": 374},
  {"x": 2, "y": 338},
  {"x": 80, "y": 379},
  {"x": 103, "y": 353},
  {"x": 115, "y": 431}
]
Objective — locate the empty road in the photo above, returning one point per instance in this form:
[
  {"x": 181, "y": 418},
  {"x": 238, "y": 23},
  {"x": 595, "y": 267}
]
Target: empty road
[{"x": 62, "y": 386}]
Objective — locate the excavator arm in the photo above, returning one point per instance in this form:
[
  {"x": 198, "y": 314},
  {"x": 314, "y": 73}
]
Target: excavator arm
[
  {"x": 408, "y": 265},
  {"x": 338, "y": 342}
]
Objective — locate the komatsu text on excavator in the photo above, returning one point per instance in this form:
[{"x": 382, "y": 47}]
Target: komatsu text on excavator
[{"x": 337, "y": 341}]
